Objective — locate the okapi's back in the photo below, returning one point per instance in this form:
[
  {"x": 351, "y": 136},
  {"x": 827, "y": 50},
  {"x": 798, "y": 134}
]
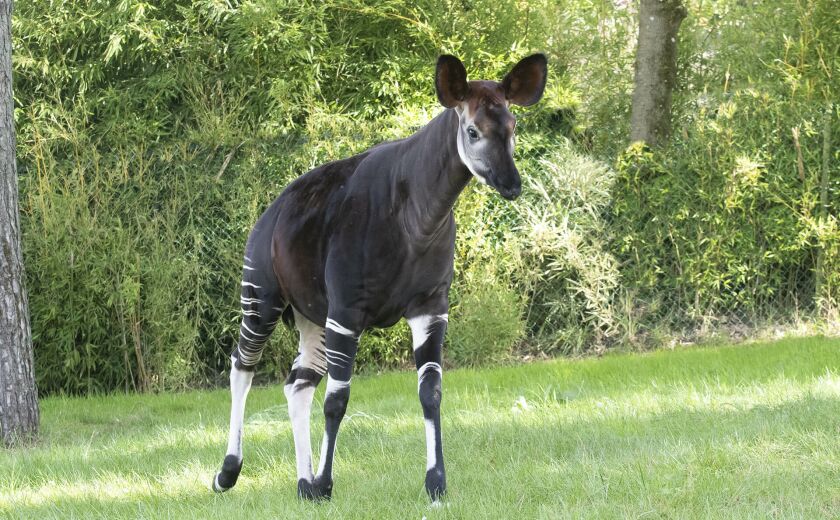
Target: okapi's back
[{"x": 302, "y": 222}]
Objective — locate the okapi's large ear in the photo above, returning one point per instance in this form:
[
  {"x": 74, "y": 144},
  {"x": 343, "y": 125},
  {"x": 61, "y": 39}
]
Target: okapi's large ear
[
  {"x": 525, "y": 83},
  {"x": 451, "y": 81}
]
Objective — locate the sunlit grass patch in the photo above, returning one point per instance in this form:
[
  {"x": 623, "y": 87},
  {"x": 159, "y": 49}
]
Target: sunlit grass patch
[{"x": 747, "y": 431}]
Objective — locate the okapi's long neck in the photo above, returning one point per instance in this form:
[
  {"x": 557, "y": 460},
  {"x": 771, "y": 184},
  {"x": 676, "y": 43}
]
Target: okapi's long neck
[{"x": 433, "y": 172}]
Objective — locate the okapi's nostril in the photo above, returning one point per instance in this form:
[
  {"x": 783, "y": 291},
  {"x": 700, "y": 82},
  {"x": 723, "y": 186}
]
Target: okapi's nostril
[{"x": 510, "y": 192}]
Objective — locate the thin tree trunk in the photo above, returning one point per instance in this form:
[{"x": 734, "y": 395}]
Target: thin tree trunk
[
  {"x": 18, "y": 397},
  {"x": 822, "y": 212},
  {"x": 656, "y": 67}
]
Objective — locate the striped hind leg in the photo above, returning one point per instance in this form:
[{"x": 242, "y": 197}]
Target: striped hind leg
[
  {"x": 307, "y": 370},
  {"x": 260, "y": 312}
]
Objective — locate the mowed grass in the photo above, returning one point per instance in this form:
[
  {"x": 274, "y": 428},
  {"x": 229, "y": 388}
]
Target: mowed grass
[{"x": 749, "y": 431}]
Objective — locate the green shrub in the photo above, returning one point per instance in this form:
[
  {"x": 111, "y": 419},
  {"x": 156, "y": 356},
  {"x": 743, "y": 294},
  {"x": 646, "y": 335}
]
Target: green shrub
[
  {"x": 486, "y": 323},
  {"x": 562, "y": 258},
  {"x": 152, "y": 136}
]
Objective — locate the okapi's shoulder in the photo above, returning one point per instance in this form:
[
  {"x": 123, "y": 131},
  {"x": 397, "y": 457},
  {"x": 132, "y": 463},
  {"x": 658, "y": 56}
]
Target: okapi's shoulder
[
  {"x": 307, "y": 206},
  {"x": 316, "y": 185}
]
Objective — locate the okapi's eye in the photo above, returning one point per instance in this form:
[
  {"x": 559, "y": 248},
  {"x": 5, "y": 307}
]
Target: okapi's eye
[{"x": 472, "y": 133}]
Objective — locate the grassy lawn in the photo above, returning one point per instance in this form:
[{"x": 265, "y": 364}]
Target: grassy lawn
[{"x": 747, "y": 431}]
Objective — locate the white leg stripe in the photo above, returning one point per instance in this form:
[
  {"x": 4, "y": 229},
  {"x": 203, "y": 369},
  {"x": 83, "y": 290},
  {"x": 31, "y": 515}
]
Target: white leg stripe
[
  {"x": 335, "y": 327},
  {"x": 311, "y": 346},
  {"x": 249, "y": 358},
  {"x": 247, "y": 301},
  {"x": 251, "y": 331},
  {"x": 248, "y": 268},
  {"x": 322, "y": 462},
  {"x": 334, "y": 385},
  {"x": 420, "y": 327},
  {"x": 299, "y": 399},
  {"x": 336, "y": 362},
  {"x": 430, "y": 444},
  {"x": 249, "y": 284},
  {"x": 240, "y": 383},
  {"x": 431, "y": 365},
  {"x": 333, "y": 353},
  {"x": 423, "y": 370}
]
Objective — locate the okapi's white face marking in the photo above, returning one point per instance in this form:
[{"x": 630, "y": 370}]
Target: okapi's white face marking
[{"x": 471, "y": 154}]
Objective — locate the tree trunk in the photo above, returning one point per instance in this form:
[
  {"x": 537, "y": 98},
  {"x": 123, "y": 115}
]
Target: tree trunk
[
  {"x": 656, "y": 67},
  {"x": 822, "y": 211},
  {"x": 18, "y": 398}
]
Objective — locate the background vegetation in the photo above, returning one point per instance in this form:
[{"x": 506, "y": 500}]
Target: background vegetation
[{"x": 151, "y": 136}]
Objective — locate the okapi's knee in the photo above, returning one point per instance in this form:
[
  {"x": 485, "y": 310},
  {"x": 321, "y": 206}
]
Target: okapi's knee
[
  {"x": 303, "y": 377},
  {"x": 238, "y": 363},
  {"x": 430, "y": 395},
  {"x": 429, "y": 389},
  {"x": 335, "y": 403}
]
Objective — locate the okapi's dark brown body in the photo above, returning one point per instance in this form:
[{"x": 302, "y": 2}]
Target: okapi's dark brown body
[
  {"x": 363, "y": 242},
  {"x": 375, "y": 226}
]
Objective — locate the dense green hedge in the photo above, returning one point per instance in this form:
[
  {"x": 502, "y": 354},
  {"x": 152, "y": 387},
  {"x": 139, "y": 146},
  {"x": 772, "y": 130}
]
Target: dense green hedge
[{"x": 151, "y": 136}]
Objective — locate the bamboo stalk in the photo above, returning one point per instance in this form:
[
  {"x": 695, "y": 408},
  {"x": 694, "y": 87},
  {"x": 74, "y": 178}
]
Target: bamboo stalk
[{"x": 823, "y": 206}]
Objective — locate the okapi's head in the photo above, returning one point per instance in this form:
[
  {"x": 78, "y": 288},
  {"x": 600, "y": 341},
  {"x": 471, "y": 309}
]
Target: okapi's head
[{"x": 486, "y": 126}]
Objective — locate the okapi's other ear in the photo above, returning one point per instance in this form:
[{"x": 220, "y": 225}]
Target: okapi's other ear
[
  {"x": 525, "y": 83},
  {"x": 451, "y": 81}
]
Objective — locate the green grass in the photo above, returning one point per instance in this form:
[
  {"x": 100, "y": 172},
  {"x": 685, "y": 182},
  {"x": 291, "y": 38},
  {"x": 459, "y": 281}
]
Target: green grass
[{"x": 748, "y": 431}]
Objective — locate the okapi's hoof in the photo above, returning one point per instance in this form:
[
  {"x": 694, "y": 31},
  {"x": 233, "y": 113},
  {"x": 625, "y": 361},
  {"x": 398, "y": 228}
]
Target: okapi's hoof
[
  {"x": 435, "y": 484},
  {"x": 314, "y": 490},
  {"x": 227, "y": 477}
]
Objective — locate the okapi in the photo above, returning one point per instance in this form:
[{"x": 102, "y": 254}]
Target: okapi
[{"x": 363, "y": 242}]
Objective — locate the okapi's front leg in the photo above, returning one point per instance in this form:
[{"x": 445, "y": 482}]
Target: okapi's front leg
[
  {"x": 427, "y": 333},
  {"x": 342, "y": 344}
]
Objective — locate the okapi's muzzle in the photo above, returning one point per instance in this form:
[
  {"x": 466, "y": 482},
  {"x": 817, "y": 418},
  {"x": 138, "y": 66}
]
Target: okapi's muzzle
[
  {"x": 510, "y": 188},
  {"x": 505, "y": 178}
]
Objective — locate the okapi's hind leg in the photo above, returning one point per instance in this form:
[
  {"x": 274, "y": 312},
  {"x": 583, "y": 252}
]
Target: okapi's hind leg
[
  {"x": 309, "y": 367},
  {"x": 261, "y": 309}
]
